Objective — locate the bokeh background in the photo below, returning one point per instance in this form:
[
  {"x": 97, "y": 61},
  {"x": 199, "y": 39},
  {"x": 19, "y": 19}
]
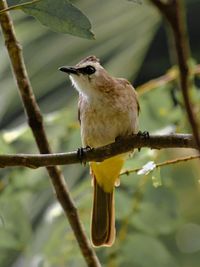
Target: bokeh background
[{"x": 156, "y": 225}]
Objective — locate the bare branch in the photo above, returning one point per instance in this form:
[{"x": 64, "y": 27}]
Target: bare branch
[
  {"x": 170, "y": 76},
  {"x": 99, "y": 154},
  {"x": 164, "y": 163},
  {"x": 35, "y": 121},
  {"x": 173, "y": 11}
]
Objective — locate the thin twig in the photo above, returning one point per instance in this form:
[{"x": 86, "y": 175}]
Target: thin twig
[
  {"x": 99, "y": 154},
  {"x": 173, "y": 11},
  {"x": 19, "y": 6},
  {"x": 170, "y": 76},
  {"x": 164, "y": 163},
  {"x": 35, "y": 122},
  {"x": 163, "y": 80}
]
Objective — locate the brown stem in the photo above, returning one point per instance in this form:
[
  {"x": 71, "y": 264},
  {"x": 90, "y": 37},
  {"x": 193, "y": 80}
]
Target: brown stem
[
  {"x": 170, "y": 76},
  {"x": 173, "y": 11},
  {"x": 35, "y": 122},
  {"x": 99, "y": 154},
  {"x": 164, "y": 163}
]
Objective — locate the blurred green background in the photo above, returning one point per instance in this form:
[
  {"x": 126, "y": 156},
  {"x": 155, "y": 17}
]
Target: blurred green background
[{"x": 156, "y": 226}]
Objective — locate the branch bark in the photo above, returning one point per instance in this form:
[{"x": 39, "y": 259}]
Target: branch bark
[
  {"x": 99, "y": 154},
  {"x": 35, "y": 122},
  {"x": 173, "y": 11}
]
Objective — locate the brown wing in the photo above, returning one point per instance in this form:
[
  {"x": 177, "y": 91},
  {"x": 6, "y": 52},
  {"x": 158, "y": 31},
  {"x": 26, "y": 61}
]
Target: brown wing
[
  {"x": 138, "y": 105},
  {"x": 125, "y": 83},
  {"x": 79, "y": 108},
  {"x": 136, "y": 97}
]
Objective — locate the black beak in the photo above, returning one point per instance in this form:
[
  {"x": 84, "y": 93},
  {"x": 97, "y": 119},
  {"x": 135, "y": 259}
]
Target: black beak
[{"x": 69, "y": 70}]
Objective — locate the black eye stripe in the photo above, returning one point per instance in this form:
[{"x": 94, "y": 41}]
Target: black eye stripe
[{"x": 87, "y": 70}]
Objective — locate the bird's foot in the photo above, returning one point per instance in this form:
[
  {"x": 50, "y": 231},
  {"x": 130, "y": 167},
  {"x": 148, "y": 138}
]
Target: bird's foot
[
  {"x": 81, "y": 153},
  {"x": 144, "y": 134},
  {"x": 118, "y": 138}
]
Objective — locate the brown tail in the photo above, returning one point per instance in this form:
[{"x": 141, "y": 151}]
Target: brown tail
[{"x": 103, "y": 217}]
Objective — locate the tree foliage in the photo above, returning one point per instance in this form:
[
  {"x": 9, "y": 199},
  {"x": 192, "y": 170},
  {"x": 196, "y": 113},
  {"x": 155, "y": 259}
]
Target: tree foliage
[{"x": 156, "y": 226}]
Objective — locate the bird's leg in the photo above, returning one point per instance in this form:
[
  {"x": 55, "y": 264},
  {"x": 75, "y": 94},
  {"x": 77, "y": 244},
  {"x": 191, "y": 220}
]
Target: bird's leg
[
  {"x": 80, "y": 153},
  {"x": 144, "y": 134}
]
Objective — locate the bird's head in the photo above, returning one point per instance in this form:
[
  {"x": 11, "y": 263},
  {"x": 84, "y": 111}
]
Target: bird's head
[{"x": 88, "y": 76}]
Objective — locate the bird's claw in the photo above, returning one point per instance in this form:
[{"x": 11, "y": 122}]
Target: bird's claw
[
  {"x": 81, "y": 153},
  {"x": 118, "y": 138},
  {"x": 144, "y": 134}
]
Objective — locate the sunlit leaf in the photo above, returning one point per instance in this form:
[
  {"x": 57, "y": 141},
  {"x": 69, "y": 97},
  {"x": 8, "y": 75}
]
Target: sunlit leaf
[
  {"x": 12, "y": 135},
  {"x": 156, "y": 178}
]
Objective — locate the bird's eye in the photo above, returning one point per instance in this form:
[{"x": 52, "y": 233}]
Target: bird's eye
[{"x": 89, "y": 70}]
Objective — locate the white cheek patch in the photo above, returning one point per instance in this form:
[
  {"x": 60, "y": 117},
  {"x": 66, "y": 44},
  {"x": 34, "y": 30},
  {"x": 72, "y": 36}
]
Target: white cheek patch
[
  {"x": 81, "y": 85},
  {"x": 75, "y": 83}
]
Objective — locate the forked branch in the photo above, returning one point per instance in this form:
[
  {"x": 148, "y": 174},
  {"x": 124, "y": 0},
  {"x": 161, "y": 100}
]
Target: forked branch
[{"x": 35, "y": 121}]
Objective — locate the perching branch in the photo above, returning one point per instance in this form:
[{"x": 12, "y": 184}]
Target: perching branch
[
  {"x": 173, "y": 11},
  {"x": 35, "y": 122},
  {"x": 99, "y": 154}
]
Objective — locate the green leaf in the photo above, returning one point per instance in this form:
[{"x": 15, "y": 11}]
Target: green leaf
[
  {"x": 145, "y": 251},
  {"x": 15, "y": 231},
  {"x": 156, "y": 178},
  {"x": 156, "y": 220},
  {"x": 123, "y": 203},
  {"x": 59, "y": 16},
  {"x": 158, "y": 213},
  {"x": 136, "y": 1}
]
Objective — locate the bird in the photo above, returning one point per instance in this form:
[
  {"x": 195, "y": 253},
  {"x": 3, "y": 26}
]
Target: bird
[{"x": 108, "y": 109}]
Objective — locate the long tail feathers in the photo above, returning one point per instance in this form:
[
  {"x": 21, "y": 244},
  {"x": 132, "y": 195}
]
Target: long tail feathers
[{"x": 103, "y": 217}]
